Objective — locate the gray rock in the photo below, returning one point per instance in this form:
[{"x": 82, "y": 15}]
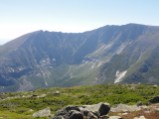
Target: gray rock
[
  {"x": 115, "y": 117},
  {"x": 104, "y": 109},
  {"x": 42, "y": 113},
  {"x": 76, "y": 115},
  {"x": 34, "y": 96},
  {"x": 92, "y": 115},
  {"x": 125, "y": 108},
  {"x": 154, "y": 99},
  {"x": 104, "y": 117},
  {"x": 66, "y": 110},
  {"x": 125, "y": 113},
  {"x": 139, "y": 103},
  {"x": 83, "y": 112},
  {"x": 56, "y": 93},
  {"x": 89, "y": 115},
  {"x": 100, "y": 108},
  {"x": 59, "y": 117},
  {"x": 141, "y": 117}
]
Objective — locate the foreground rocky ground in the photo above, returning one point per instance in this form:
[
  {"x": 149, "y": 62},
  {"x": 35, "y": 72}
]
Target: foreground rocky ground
[
  {"x": 120, "y": 111},
  {"x": 105, "y": 111},
  {"x": 125, "y": 101},
  {"x": 137, "y": 112}
]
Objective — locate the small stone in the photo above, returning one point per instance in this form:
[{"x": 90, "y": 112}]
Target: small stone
[
  {"x": 139, "y": 103},
  {"x": 34, "y": 96},
  {"x": 141, "y": 117},
  {"x": 125, "y": 113},
  {"x": 68, "y": 108},
  {"x": 104, "y": 117},
  {"x": 157, "y": 109},
  {"x": 155, "y": 86},
  {"x": 92, "y": 115},
  {"x": 115, "y": 117},
  {"x": 42, "y": 113},
  {"x": 56, "y": 93},
  {"x": 41, "y": 96},
  {"x": 59, "y": 117}
]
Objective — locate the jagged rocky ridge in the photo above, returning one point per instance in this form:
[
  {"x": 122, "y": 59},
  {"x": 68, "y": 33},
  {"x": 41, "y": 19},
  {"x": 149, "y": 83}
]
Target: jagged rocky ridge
[{"x": 110, "y": 54}]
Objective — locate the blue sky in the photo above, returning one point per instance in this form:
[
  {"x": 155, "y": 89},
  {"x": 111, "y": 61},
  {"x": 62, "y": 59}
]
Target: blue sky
[{"x": 18, "y": 17}]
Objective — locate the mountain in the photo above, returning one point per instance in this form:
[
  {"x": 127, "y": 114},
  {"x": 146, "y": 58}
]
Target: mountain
[{"x": 110, "y": 54}]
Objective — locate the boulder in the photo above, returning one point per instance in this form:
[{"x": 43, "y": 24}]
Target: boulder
[
  {"x": 125, "y": 108},
  {"x": 154, "y": 99},
  {"x": 89, "y": 115},
  {"x": 104, "y": 109},
  {"x": 66, "y": 112},
  {"x": 83, "y": 112},
  {"x": 76, "y": 115},
  {"x": 99, "y": 109},
  {"x": 42, "y": 113}
]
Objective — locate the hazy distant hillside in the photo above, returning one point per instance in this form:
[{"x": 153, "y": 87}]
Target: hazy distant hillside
[{"x": 111, "y": 54}]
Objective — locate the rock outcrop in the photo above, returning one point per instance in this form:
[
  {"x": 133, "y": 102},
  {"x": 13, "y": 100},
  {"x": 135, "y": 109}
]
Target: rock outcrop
[
  {"x": 103, "y": 111},
  {"x": 96, "y": 111}
]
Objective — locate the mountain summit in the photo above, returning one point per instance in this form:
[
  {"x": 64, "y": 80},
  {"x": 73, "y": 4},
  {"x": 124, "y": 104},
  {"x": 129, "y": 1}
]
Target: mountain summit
[{"x": 110, "y": 54}]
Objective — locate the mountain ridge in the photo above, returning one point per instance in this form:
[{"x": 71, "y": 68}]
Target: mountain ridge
[{"x": 110, "y": 54}]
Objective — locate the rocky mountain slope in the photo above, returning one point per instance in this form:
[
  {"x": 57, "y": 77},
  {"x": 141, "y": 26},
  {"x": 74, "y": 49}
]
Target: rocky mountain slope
[{"x": 110, "y": 54}]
